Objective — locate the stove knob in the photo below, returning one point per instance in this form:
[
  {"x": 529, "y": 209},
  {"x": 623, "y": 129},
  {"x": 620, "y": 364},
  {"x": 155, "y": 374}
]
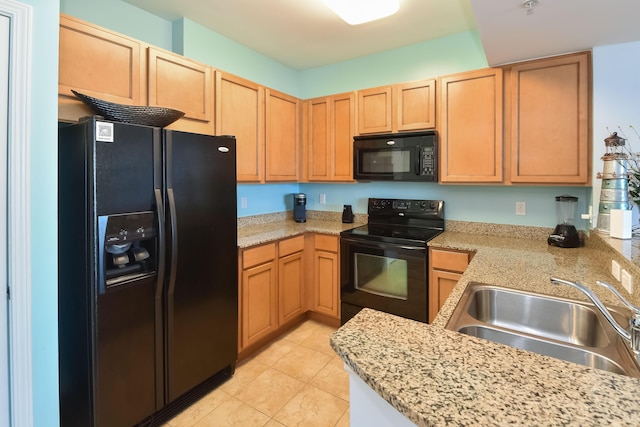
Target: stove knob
[{"x": 432, "y": 206}]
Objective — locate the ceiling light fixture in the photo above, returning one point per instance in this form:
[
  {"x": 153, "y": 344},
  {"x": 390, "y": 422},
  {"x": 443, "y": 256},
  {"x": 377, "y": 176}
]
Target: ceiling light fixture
[
  {"x": 356, "y": 12},
  {"x": 528, "y": 5}
]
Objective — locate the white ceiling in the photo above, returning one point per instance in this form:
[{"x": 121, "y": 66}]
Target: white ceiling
[{"x": 304, "y": 34}]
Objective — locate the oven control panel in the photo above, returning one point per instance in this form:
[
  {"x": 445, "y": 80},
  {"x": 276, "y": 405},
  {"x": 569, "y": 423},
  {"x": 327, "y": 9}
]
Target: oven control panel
[{"x": 378, "y": 207}]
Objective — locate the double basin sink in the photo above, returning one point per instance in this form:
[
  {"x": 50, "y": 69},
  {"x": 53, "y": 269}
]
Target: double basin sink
[{"x": 570, "y": 330}]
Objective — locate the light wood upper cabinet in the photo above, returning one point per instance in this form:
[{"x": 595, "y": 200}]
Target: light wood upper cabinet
[
  {"x": 397, "y": 108},
  {"x": 549, "y": 120},
  {"x": 282, "y": 136},
  {"x": 179, "y": 83},
  {"x": 331, "y": 126},
  {"x": 240, "y": 112},
  {"x": 98, "y": 63},
  {"x": 416, "y": 105},
  {"x": 470, "y": 127},
  {"x": 375, "y": 110}
]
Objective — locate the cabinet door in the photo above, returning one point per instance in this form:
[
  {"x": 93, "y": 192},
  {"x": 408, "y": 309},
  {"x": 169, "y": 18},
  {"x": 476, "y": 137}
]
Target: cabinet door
[
  {"x": 326, "y": 283},
  {"x": 375, "y": 110},
  {"x": 291, "y": 287},
  {"x": 282, "y": 136},
  {"x": 331, "y": 123},
  {"x": 185, "y": 85},
  {"x": 440, "y": 286},
  {"x": 549, "y": 137},
  {"x": 416, "y": 105},
  {"x": 470, "y": 127},
  {"x": 319, "y": 146},
  {"x": 240, "y": 112},
  {"x": 343, "y": 113},
  {"x": 259, "y": 302},
  {"x": 98, "y": 63}
]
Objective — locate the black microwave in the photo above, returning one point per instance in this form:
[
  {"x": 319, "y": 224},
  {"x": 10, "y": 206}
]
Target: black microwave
[{"x": 396, "y": 157}]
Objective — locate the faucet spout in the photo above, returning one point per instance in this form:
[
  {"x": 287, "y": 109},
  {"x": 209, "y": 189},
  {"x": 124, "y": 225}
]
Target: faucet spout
[{"x": 596, "y": 301}]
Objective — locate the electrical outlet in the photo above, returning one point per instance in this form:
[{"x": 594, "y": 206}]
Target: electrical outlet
[
  {"x": 243, "y": 202},
  {"x": 521, "y": 208},
  {"x": 323, "y": 198},
  {"x": 627, "y": 281},
  {"x": 615, "y": 269}
]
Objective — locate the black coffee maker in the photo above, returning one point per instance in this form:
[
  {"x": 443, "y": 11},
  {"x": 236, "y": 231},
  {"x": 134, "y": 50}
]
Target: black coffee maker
[
  {"x": 565, "y": 234},
  {"x": 300, "y": 207}
]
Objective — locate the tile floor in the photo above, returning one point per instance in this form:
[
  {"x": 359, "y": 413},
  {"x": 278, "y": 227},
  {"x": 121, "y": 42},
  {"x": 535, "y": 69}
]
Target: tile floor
[{"x": 297, "y": 380}]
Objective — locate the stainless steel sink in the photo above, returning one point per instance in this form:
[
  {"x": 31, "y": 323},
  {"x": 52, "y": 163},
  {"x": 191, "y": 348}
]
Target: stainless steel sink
[{"x": 566, "y": 329}]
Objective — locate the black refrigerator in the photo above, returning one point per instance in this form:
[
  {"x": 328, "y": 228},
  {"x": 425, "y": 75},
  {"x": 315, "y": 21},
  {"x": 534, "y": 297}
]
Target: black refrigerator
[{"x": 147, "y": 269}]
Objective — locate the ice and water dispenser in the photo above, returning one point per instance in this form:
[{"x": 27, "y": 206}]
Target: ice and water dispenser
[{"x": 128, "y": 248}]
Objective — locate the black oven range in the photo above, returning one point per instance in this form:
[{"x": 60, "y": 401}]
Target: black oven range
[{"x": 384, "y": 264}]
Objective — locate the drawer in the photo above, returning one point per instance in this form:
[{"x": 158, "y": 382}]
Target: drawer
[
  {"x": 449, "y": 260},
  {"x": 290, "y": 246},
  {"x": 258, "y": 255},
  {"x": 327, "y": 243}
]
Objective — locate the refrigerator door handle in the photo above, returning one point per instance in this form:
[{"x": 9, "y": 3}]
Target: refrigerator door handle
[
  {"x": 161, "y": 242},
  {"x": 174, "y": 240}
]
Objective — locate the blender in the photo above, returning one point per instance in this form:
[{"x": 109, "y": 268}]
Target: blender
[{"x": 565, "y": 234}]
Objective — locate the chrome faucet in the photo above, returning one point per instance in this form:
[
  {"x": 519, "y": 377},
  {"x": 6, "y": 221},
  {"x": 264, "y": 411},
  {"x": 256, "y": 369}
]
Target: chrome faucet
[{"x": 632, "y": 336}]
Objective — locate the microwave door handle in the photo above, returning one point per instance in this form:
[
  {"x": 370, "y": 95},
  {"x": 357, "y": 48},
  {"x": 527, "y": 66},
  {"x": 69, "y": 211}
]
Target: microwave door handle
[{"x": 417, "y": 162}]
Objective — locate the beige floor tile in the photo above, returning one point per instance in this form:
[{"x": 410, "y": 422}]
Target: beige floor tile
[
  {"x": 274, "y": 352},
  {"x": 345, "y": 420},
  {"x": 233, "y": 413},
  {"x": 302, "y": 363},
  {"x": 312, "y": 407},
  {"x": 274, "y": 423},
  {"x": 270, "y": 391},
  {"x": 319, "y": 341},
  {"x": 246, "y": 371},
  {"x": 333, "y": 379},
  {"x": 300, "y": 332},
  {"x": 200, "y": 409}
]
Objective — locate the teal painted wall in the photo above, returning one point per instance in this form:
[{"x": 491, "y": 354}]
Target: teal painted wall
[
  {"x": 225, "y": 54},
  {"x": 43, "y": 197},
  {"x": 123, "y": 18},
  {"x": 447, "y": 55}
]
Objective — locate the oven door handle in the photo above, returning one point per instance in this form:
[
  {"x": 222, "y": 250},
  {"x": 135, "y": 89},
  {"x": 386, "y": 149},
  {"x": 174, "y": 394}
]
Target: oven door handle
[{"x": 382, "y": 245}]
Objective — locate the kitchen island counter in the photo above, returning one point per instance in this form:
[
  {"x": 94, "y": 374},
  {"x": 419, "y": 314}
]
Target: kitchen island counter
[{"x": 434, "y": 376}]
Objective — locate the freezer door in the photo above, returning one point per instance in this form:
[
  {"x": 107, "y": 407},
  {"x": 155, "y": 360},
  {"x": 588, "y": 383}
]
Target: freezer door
[{"x": 202, "y": 288}]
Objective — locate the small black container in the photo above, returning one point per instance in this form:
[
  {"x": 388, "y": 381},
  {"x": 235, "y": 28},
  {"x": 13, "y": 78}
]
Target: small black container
[
  {"x": 300, "y": 207},
  {"x": 347, "y": 214}
]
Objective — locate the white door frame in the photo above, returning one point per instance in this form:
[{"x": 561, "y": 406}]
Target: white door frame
[{"x": 18, "y": 213}]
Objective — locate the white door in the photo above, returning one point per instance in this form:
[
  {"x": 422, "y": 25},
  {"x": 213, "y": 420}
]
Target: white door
[{"x": 4, "y": 102}]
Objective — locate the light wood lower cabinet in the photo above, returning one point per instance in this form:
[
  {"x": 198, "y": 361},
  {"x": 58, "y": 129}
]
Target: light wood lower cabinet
[
  {"x": 259, "y": 293},
  {"x": 326, "y": 273},
  {"x": 272, "y": 289},
  {"x": 282, "y": 282},
  {"x": 291, "y": 295},
  {"x": 445, "y": 269}
]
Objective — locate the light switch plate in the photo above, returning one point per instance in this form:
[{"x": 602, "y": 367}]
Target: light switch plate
[
  {"x": 615, "y": 269},
  {"x": 627, "y": 281}
]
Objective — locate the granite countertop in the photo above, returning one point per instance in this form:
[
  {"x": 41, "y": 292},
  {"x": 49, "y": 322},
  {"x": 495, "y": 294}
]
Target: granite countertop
[
  {"x": 268, "y": 228},
  {"x": 439, "y": 377}
]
